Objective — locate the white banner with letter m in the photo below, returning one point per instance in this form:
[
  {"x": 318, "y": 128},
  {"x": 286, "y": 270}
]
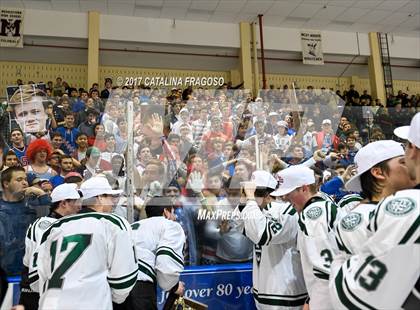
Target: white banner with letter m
[{"x": 11, "y": 27}]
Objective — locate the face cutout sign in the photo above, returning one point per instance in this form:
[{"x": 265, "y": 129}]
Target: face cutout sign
[{"x": 27, "y": 103}]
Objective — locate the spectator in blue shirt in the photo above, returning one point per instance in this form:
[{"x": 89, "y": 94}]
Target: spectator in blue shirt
[
  {"x": 69, "y": 133},
  {"x": 16, "y": 213},
  {"x": 80, "y": 102},
  {"x": 345, "y": 157}
]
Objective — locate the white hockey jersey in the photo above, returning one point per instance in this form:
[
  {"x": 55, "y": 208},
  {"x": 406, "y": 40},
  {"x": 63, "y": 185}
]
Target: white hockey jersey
[
  {"x": 85, "y": 261},
  {"x": 317, "y": 246},
  {"x": 383, "y": 275},
  {"x": 276, "y": 274},
  {"x": 352, "y": 230},
  {"x": 34, "y": 235},
  {"x": 159, "y": 243}
]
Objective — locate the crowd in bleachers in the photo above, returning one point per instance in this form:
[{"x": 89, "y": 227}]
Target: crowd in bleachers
[{"x": 194, "y": 145}]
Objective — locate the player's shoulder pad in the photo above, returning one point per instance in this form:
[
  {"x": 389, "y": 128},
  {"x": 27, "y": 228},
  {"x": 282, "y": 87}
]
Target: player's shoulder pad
[
  {"x": 45, "y": 222},
  {"x": 399, "y": 207},
  {"x": 401, "y": 203},
  {"x": 350, "y": 222},
  {"x": 39, "y": 225},
  {"x": 316, "y": 209},
  {"x": 317, "y": 217}
]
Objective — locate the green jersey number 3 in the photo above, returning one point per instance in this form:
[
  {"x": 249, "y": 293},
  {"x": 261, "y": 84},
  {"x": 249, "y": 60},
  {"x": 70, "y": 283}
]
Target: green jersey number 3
[
  {"x": 327, "y": 256},
  {"x": 82, "y": 242}
]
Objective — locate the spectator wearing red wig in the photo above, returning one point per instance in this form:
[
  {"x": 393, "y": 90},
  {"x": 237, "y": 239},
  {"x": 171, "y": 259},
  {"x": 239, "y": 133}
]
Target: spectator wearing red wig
[{"x": 38, "y": 153}]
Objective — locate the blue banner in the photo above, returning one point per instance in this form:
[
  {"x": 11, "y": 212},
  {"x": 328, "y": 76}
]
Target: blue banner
[{"x": 217, "y": 286}]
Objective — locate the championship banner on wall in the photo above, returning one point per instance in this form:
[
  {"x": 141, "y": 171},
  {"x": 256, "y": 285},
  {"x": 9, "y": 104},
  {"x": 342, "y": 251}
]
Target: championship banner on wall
[
  {"x": 311, "y": 47},
  {"x": 11, "y": 27}
]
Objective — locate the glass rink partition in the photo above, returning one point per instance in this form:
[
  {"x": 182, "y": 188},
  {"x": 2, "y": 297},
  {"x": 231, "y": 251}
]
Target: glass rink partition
[{"x": 197, "y": 146}]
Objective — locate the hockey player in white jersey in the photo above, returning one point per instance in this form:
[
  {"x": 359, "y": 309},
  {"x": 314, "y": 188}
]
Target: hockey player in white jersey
[
  {"x": 66, "y": 200},
  {"x": 272, "y": 226},
  {"x": 316, "y": 240},
  {"x": 386, "y": 274},
  {"x": 159, "y": 241},
  {"x": 385, "y": 271},
  {"x": 412, "y": 159},
  {"x": 87, "y": 260},
  {"x": 381, "y": 171}
]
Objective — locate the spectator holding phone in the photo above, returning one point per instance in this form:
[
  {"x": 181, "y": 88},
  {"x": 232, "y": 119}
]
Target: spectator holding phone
[
  {"x": 335, "y": 186},
  {"x": 93, "y": 164}
]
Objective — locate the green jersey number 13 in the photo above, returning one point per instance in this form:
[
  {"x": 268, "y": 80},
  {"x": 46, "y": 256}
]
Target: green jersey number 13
[{"x": 376, "y": 273}]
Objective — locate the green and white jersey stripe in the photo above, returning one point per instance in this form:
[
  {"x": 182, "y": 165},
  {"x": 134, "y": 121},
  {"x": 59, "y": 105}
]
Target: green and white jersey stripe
[
  {"x": 147, "y": 270},
  {"x": 349, "y": 202},
  {"x": 123, "y": 282},
  {"x": 116, "y": 220},
  {"x": 164, "y": 250},
  {"x": 280, "y": 300}
]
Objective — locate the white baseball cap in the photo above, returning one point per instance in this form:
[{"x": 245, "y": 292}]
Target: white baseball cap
[
  {"x": 263, "y": 178},
  {"x": 65, "y": 191},
  {"x": 283, "y": 124},
  {"x": 371, "y": 155},
  {"x": 96, "y": 186},
  {"x": 326, "y": 121},
  {"x": 412, "y": 132},
  {"x": 292, "y": 178},
  {"x": 184, "y": 110}
]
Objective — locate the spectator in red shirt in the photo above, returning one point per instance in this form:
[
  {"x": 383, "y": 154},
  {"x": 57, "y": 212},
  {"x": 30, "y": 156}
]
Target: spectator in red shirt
[
  {"x": 98, "y": 139},
  {"x": 326, "y": 139},
  {"x": 215, "y": 130}
]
